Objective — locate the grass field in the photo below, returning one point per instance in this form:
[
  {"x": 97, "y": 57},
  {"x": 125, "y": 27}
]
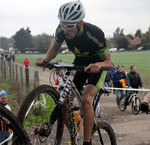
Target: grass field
[{"x": 140, "y": 59}]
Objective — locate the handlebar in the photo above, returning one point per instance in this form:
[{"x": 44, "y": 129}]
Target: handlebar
[{"x": 67, "y": 66}]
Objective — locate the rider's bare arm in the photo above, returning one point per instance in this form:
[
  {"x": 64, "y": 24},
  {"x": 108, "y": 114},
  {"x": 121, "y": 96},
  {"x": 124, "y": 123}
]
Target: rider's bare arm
[
  {"x": 51, "y": 53},
  {"x": 107, "y": 64}
]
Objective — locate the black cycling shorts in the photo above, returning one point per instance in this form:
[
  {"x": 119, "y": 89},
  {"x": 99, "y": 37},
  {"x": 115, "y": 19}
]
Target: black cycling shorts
[{"x": 96, "y": 79}]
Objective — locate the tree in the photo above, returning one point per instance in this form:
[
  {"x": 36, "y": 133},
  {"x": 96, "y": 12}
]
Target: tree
[
  {"x": 41, "y": 42},
  {"x": 119, "y": 38},
  {"x": 23, "y": 39},
  {"x": 145, "y": 39},
  {"x": 138, "y": 33},
  {"x": 4, "y": 43}
]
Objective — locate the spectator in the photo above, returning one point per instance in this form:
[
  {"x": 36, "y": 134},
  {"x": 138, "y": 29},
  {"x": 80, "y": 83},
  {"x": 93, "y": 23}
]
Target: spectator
[
  {"x": 123, "y": 70},
  {"x": 107, "y": 82},
  {"x": 133, "y": 81},
  {"x": 57, "y": 69},
  {"x": 13, "y": 55},
  {"x": 112, "y": 71},
  {"x": 26, "y": 63},
  {"x": 57, "y": 62},
  {"x": 4, "y": 130},
  {"x": 59, "y": 78},
  {"x": 60, "y": 61},
  {"x": 117, "y": 81},
  {"x": 144, "y": 105}
]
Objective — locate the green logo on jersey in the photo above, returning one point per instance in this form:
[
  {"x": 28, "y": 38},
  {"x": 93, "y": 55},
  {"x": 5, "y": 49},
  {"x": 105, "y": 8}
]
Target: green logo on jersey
[
  {"x": 79, "y": 54},
  {"x": 100, "y": 44}
]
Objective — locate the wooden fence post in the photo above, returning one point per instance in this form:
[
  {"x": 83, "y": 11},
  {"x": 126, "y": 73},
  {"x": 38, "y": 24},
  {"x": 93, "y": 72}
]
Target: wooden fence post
[
  {"x": 5, "y": 69},
  {"x": 21, "y": 78},
  {"x": 2, "y": 64},
  {"x": 9, "y": 70},
  {"x": 16, "y": 72},
  {"x": 36, "y": 79},
  {"x": 27, "y": 80},
  {"x": 13, "y": 72}
]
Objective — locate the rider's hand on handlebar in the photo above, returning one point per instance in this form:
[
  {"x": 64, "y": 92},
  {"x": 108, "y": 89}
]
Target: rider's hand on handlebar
[
  {"x": 39, "y": 61},
  {"x": 92, "y": 68}
]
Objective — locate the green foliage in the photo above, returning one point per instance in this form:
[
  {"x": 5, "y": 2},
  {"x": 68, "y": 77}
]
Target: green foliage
[
  {"x": 4, "y": 43},
  {"x": 23, "y": 39},
  {"x": 138, "y": 33},
  {"x": 119, "y": 39},
  {"x": 145, "y": 39},
  {"x": 41, "y": 42}
]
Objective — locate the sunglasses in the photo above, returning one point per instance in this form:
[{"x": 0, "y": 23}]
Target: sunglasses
[{"x": 68, "y": 26}]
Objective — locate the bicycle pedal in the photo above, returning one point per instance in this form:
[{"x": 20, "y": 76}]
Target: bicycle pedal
[{"x": 41, "y": 132}]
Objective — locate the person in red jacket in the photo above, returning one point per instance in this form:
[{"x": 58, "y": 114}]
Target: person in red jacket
[{"x": 26, "y": 63}]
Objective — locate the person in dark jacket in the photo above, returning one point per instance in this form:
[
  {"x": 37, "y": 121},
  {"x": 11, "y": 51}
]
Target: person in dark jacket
[
  {"x": 133, "y": 81},
  {"x": 117, "y": 81},
  {"x": 107, "y": 82}
]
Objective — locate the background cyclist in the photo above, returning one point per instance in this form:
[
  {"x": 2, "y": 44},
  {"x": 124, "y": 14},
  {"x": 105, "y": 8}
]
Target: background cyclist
[
  {"x": 133, "y": 81},
  {"x": 88, "y": 44}
]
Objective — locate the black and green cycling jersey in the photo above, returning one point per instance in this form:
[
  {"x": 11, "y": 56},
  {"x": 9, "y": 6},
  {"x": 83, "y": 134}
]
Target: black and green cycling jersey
[{"x": 88, "y": 45}]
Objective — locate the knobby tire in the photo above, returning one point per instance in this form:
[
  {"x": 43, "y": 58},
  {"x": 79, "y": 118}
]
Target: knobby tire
[
  {"x": 20, "y": 136},
  {"x": 103, "y": 126},
  {"x": 33, "y": 96}
]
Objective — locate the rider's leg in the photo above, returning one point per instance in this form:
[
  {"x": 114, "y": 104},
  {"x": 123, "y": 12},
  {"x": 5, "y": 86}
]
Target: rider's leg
[
  {"x": 117, "y": 96},
  {"x": 147, "y": 98},
  {"x": 88, "y": 114}
]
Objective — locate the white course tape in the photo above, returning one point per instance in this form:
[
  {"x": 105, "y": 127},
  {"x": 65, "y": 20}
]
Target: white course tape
[{"x": 129, "y": 89}]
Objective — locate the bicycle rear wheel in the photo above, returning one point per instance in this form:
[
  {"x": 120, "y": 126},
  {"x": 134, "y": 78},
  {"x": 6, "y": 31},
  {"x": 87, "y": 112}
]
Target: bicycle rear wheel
[
  {"x": 20, "y": 136},
  {"x": 135, "y": 106},
  {"x": 35, "y": 113},
  {"x": 106, "y": 136}
]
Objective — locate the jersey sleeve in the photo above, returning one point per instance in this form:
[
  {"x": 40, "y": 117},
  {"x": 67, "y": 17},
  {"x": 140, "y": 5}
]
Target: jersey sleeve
[
  {"x": 102, "y": 45},
  {"x": 59, "y": 35}
]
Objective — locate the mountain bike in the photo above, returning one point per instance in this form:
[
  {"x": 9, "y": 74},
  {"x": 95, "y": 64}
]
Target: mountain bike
[
  {"x": 134, "y": 100},
  {"x": 18, "y": 135},
  {"x": 42, "y": 112}
]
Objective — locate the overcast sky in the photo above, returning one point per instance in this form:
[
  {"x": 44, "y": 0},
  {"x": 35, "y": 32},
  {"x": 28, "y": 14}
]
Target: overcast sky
[{"x": 41, "y": 15}]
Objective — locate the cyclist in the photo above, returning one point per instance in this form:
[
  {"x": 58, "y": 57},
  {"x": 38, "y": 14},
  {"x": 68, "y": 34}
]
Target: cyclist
[
  {"x": 133, "y": 81},
  {"x": 144, "y": 105},
  {"x": 88, "y": 43}
]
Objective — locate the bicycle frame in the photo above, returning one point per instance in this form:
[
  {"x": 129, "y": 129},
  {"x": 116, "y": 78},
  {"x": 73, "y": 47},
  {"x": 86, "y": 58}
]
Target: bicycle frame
[
  {"x": 67, "y": 88},
  {"x": 133, "y": 97}
]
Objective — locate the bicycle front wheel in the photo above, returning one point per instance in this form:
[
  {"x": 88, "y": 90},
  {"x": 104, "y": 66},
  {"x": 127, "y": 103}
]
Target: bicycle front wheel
[
  {"x": 18, "y": 135},
  {"x": 135, "y": 106},
  {"x": 103, "y": 134},
  {"x": 35, "y": 114},
  {"x": 121, "y": 103}
]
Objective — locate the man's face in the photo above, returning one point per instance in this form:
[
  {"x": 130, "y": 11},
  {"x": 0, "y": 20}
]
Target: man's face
[
  {"x": 133, "y": 69},
  {"x": 3, "y": 99},
  {"x": 122, "y": 69},
  {"x": 70, "y": 29},
  {"x": 117, "y": 69}
]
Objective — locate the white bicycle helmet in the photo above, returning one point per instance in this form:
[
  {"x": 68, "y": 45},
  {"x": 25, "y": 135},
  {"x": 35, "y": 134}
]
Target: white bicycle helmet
[{"x": 71, "y": 12}]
